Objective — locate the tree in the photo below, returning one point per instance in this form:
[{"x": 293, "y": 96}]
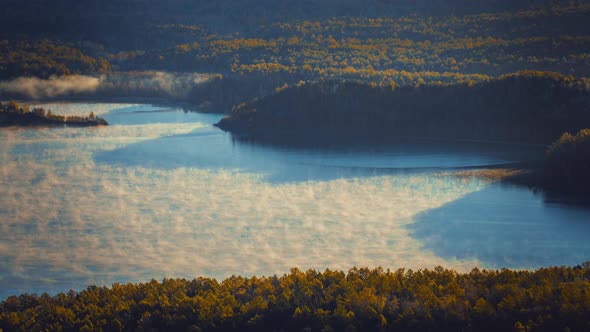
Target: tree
[
  {"x": 40, "y": 112},
  {"x": 518, "y": 327},
  {"x": 392, "y": 85},
  {"x": 13, "y": 106}
]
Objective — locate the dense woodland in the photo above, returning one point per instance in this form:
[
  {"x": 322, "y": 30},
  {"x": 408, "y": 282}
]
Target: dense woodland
[
  {"x": 45, "y": 58},
  {"x": 405, "y": 49},
  {"x": 257, "y": 47},
  {"x": 548, "y": 299},
  {"x": 534, "y": 107},
  {"x": 126, "y": 23},
  {"x": 380, "y": 48}
]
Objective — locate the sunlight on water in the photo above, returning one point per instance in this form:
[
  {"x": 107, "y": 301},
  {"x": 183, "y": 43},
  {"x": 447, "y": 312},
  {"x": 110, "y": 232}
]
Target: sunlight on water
[
  {"x": 68, "y": 222},
  {"x": 82, "y": 206}
]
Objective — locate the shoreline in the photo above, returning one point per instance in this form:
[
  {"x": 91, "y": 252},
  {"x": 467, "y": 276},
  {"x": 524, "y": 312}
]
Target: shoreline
[
  {"x": 156, "y": 101},
  {"x": 29, "y": 119},
  {"x": 528, "y": 175}
]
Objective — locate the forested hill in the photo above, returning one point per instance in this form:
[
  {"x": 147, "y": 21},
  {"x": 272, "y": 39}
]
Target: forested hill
[
  {"x": 550, "y": 299},
  {"x": 89, "y": 16},
  {"x": 259, "y": 45},
  {"x": 526, "y": 107}
]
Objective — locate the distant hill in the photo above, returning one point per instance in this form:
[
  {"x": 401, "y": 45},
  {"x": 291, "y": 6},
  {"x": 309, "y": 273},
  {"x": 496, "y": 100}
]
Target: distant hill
[
  {"x": 59, "y": 16},
  {"x": 127, "y": 24},
  {"x": 525, "y": 107},
  {"x": 261, "y": 45},
  {"x": 264, "y": 44}
]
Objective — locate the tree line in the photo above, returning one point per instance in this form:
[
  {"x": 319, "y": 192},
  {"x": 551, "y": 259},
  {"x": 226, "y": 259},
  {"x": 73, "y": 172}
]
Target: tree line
[
  {"x": 12, "y": 113},
  {"x": 362, "y": 299}
]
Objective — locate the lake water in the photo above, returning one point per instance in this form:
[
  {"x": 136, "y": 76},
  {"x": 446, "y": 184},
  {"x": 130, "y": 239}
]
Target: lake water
[{"x": 163, "y": 193}]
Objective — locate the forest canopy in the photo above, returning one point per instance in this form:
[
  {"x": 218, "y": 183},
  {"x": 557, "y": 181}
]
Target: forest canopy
[
  {"x": 362, "y": 299},
  {"x": 528, "y": 106},
  {"x": 45, "y": 58},
  {"x": 405, "y": 41}
]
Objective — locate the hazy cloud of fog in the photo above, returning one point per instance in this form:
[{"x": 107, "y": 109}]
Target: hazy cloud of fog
[
  {"x": 171, "y": 84},
  {"x": 68, "y": 222},
  {"x": 99, "y": 109},
  {"x": 36, "y": 88},
  {"x": 159, "y": 84}
]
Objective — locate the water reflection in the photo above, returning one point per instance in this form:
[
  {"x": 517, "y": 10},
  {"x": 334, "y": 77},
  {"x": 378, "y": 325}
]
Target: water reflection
[
  {"x": 210, "y": 148},
  {"x": 147, "y": 114}
]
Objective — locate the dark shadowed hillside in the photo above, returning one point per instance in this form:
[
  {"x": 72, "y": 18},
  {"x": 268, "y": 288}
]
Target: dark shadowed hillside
[
  {"x": 525, "y": 107},
  {"x": 90, "y": 18},
  {"x": 567, "y": 163}
]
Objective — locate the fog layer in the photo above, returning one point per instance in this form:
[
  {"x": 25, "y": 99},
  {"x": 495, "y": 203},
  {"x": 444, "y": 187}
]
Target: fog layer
[
  {"x": 69, "y": 222},
  {"x": 36, "y": 88},
  {"x": 134, "y": 84}
]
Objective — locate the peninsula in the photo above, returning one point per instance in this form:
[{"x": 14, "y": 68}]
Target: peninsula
[
  {"x": 527, "y": 107},
  {"x": 14, "y": 114}
]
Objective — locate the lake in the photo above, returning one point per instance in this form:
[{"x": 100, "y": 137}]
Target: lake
[{"x": 163, "y": 193}]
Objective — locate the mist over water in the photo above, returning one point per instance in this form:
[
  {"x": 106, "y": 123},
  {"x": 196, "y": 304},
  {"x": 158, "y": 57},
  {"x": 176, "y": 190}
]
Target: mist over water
[
  {"x": 161, "y": 193},
  {"x": 143, "y": 83},
  {"x": 33, "y": 87}
]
